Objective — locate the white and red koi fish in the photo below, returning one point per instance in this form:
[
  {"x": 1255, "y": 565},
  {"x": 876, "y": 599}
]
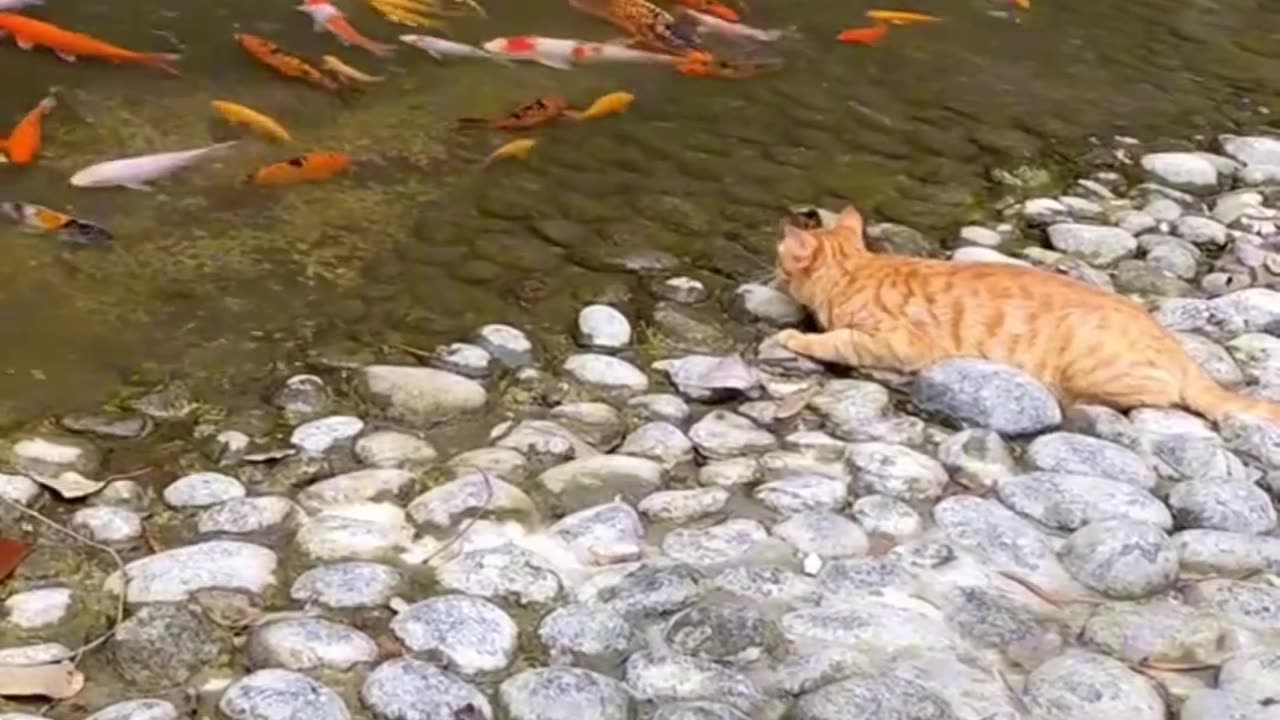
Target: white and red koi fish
[
  {"x": 564, "y": 54},
  {"x": 328, "y": 18}
]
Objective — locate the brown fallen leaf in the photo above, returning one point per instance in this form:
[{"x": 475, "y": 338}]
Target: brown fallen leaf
[
  {"x": 12, "y": 552},
  {"x": 56, "y": 680}
]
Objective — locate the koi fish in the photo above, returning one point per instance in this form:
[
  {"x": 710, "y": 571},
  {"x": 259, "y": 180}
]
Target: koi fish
[
  {"x": 901, "y": 17},
  {"x": 29, "y": 33},
  {"x": 648, "y": 24},
  {"x": 733, "y": 29},
  {"x": 139, "y": 172},
  {"x": 252, "y": 119},
  {"x": 406, "y": 12},
  {"x": 552, "y": 52},
  {"x": 327, "y": 17},
  {"x": 38, "y": 218},
  {"x": 726, "y": 70},
  {"x": 532, "y": 114},
  {"x": 604, "y": 106},
  {"x": 344, "y": 71},
  {"x": 312, "y": 167},
  {"x": 24, "y": 142},
  {"x": 590, "y": 53},
  {"x": 1022, "y": 4},
  {"x": 6, "y": 5},
  {"x": 711, "y": 7},
  {"x": 285, "y": 63},
  {"x": 514, "y": 149},
  {"x": 865, "y": 35},
  {"x": 439, "y": 48}
]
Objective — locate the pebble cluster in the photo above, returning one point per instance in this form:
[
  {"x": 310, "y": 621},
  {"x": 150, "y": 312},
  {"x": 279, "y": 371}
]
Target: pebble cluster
[{"x": 712, "y": 533}]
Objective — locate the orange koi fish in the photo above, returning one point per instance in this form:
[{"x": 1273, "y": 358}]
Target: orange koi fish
[
  {"x": 531, "y": 114},
  {"x": 285, "y": 63},
  {"x": 329, "y": 18},
  {"x": 711, "y": 7},
  {"x": 901, "y": 17},
  {"x": 864, "y": 35},
  {"x": 24, "y": 142},
  {"x": 312, "y": 167},
  {"x": 40, "y": 219},
  {"x": 725, "y": 69},
  {"x": 29, "y": 33}
]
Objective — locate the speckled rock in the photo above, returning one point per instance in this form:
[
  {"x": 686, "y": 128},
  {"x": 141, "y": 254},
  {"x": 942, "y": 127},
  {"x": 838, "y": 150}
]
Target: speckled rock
[
  {"x": 1065, "y": 452},
  {"x": 202, "y": 489},
  {"x": 661, "y": 442},
  {"x": 582, "y": 483},
  {"x": 603, "y": 534},
  {"x": 987, "y": 394},
  {"x": 802, "y": 493},
  {"x": 145, "y": 709},
  {"x": 276, "y": 694},
  {"x": 721, "y": 434},
  {"x": 506, "y": 572},
  {"x": 544, "y": 443},
  {"x": 319, "y": 436},
  {"x": 563, "y": 693},
  {"x": 721, "y": 543},
  {"x": 394, "y": 449},
  {"x": 506, "y": 344},
  {"x": 849, "y": 406},
  {"x": 710, "y": 378},
  {"x": 683, "y": 506},
  {"x": 19, "y": 489},
  {"x": 586, "y": 632},
  {"x": 1095, "y": 244},
  {"x": 730, "y": 473},
  {"x": 266, "y": 514},
  {"x": 446, "y": 504},
  {"x": 896, "y": 471},
  {"x": 465, "y": 359},
  {"x": 1158, "y": 630},
  {"x": 302, "y": 397},
  {"x": 659, "y": 407},
  {"x": 606, "y": 373},
  {"x": 884, "y": 515},
  {"x": 308, "y": 644},
  {"x": 420, "y": 396},
  {"x": 977, "y": 458},
  {"x": 663, "y": 677},
  {"x": 161, "y": 645},
  {"x": 359, "y": 531},
  {"x": 653, "y": 590},
  {"x": 1234, "y": 506},
  {"x": 172, "y": 575},
  {"x": 409, "y": 689},
  {"x": 760, "y": 303},
  {"x": 473, "y": 635},
  {"x": 1121, "y": 558},
  {"x": 371, "y": 485},
  {"x": 1085, "y": 686},
  {"x": 1200, "y": 230},
  {"x": 1004, "y": 540},
  {"x": 825, "y": 534},
  {"x": 108, "y": 525},
  {"x": 38, "y": 607},
  {"x": 1068, "y": 502},
  {"x": 879, "y": 622},
  {"x": 1218, "y": 552},
  {"x": 732, "y": 632},
  {"x": 597, "y": 423},
  {"x": 347, "y": 585},
  {"x": 698, "y": 710}
]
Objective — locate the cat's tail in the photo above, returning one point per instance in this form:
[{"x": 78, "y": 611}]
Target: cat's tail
[{"x": 1205, "y": 396}]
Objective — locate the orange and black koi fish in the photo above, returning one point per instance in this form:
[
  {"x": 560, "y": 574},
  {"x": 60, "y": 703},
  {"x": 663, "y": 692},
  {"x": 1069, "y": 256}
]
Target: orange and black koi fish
[
  {"x": 649, "y": 25},
  {"x": 286, "y": 63},
  {"x": 532, "y": 114},
  {"x": 312, "y": 167},
  {"x": 726, "y": 69},
  {"x": 43, "y": 220}
]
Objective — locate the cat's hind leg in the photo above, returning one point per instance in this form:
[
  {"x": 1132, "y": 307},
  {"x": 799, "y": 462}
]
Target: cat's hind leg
[{"x": 837, "y": 347}]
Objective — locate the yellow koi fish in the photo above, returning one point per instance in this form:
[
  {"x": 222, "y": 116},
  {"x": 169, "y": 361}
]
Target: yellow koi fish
[
  {"x": 901, "y": 17},
  {"x": 346, "y": 72},
  {"x": 514, "y": 149},
  {"x": 604, "y": 106},
  {"x": 246, "y": 117}
]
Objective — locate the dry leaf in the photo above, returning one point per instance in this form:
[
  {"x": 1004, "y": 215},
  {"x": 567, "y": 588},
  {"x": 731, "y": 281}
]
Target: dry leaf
[
  {"x": 57, "y": 680},
  {"x": 12, "y": 553},
  {"x": 70, "y": 485}
]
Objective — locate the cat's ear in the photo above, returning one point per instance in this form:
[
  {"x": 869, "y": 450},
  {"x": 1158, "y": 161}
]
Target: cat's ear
[
  {"x": 850, "y": 220},
  {"x": 798, "y": 247}
]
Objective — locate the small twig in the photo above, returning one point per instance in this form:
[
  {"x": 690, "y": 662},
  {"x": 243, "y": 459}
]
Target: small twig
[
  {"x": 129, "y": 475},
  {"x": 120, "y": 603},
  {"x": 466, "y": 528}
]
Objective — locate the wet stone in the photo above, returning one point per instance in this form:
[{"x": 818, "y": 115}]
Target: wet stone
[
  {"x": 683, "y": 506},
  {"x": 473, "y": 635},
  {"x": 361, "y": 531},
  {"x": 884, "y": 515},
  {"x": 52, "y": 456},
  {"x": 371, "y": 485},
  {"x": 606, "y": 373},
  {"x": 1200, "y": 230},
  {"x": 980, "y": 236},
  {"x": 825, "y": 534},
  {"x": 661, "y": 442},
  {"x": 848, "y": 406},
  {"x": 543, "y": 443},
  {"x": 1234, "y": 506},
  {"x": 162, "y": 645},
  {"x": 1121, "y": 558},
  {"x": 172, "y": 575},
  {"x": 767, "y": 584},
  {"x": 125, "y": 494},
  {"x": 760, "y": 303},
  {"x": 974, "y": 253},
  {"x": 1084, "y": 686},
  {"x": 1256, "y": 439},
  {"x": 721, "y": 435},
  {"x": 346, "y": 585},
  {"x": 582, "y": 483},
  {"x": 1160, "y": 630},
  {"x": 1004, "y": 540},
  {"x": 269, "y": 514},
  {"x": 978, "y": 459},
  {"x": 1098, "y": 245},
  {"x": 871, "y": 695},
  {"x": 108, "y": 425},
  {"x": 465, "y": 359},
  {"x": 276, "y": 694},
  {"x": 420, "y": 396},
  {"x": 1176, "y": 258},
  {"x": 896, "y": 471},
  {"x": 1181, "y": 171},
  {"x": 728, "y": 632},
  {"x": 393, "y": 449},
  {"x": 202, "y": 489},
  {"x": 721, "y": 543},
  {"x": 1044, "y": 211},
  {"x": 1246, "y": 605},
  {"x": 1252, "y": 149},
  {"x": 711, "y": 378},
  {"x": 145, "y": 709},
  {"x": 19, "y": 489},
  {"x": 603, "y": 534},
  {"x": 319, "y": 436},
  {"x": 659, "y": 407},
  {"x": 880, "y": 622},
  {"x": 108, "y": 525},
  {"x": 563, "y": 693},
  {"x": 506, "y": 344},
  {"x": 1142, "y": 278},
  {"x": 1219, "y": 552},
  {"x": 670, "y": 677},
  {"x": 308, "y": 644},
  {"x": 508, "y": 464},
  {"x": 603, "y": 328},
  {"x": 507, "y": 572},
  {"x": 581, "y": 631},
  {"x": 653, "y": 590},
  {"x": 698, "y": 710},
  {"x": 302, "y": 397},
  {"x": 1068, "y": 502},
  {"x": 37, "y": 608},
  {"x": 989, "y": 395},
  {"x": 684, "y": 290},
  {"x": 597, "y": 423},
  {"x": 447, "y": 504},
  {"x": 995, "y": 621},
  {"x": 801, "y": 494},
  {"x": 409, "y": 689},
  {"x": 733, "y": 472},
  {"x": 1134, "y": 222}
]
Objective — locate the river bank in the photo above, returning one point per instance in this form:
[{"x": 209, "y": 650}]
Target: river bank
[{"x": 663, "y": 514}]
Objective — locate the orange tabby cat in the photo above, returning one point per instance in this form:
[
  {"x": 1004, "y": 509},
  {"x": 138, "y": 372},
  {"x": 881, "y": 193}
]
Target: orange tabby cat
[{"x": 905, "y": 313}]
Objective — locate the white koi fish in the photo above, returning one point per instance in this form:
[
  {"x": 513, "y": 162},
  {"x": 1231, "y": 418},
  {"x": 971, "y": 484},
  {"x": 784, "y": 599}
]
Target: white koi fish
[
  {"x": 713, "y": 24},
  {"x": 439, "y": 48},
  {"x": 328, "y": 18},
  {"x": 553, "y": 52},
  {"x": 7, "y": 5},
  {"x": 590, "y": 53},
  {"x": 139, "y": 172}
]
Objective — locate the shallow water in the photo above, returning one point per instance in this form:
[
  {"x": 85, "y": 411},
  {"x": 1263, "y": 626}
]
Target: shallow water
[{"x": 418, "y": 246}]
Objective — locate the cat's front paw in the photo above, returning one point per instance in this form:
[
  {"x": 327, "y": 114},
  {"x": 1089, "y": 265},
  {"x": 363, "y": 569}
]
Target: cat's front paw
[{"x": 791, "y": 339}]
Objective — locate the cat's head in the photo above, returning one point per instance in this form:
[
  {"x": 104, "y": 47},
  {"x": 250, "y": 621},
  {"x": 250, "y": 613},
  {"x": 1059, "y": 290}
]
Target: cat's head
[{"x": 804, "y": 251}]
